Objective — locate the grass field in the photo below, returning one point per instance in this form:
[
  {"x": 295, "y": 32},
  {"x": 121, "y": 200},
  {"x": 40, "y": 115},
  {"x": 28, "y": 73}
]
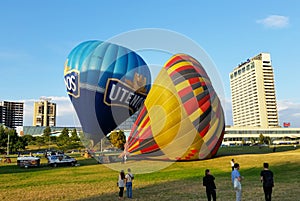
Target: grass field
[{"x": 180, "y": 181}]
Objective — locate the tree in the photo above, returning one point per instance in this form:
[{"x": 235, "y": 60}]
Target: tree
[
  {"x": 29, "y": 139},
  {"x": 46, "y": 135},
  {"x": 75, "y": 142},
  {"x": 117, "y": 139},
  {"x": 74, "y": 136},
  {"x": 63, "y": 139},
  {"x": 39, "y": 141},
  {"x": 15, "y": 142},
  {"x": 3, "y": 138}
]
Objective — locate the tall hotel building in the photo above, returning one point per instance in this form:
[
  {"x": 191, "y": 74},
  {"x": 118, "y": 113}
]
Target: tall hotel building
[
  {"x": 44, "y": 113},
  {"x": 253, "y": 93},
  {"x": 11, "y": 113}
]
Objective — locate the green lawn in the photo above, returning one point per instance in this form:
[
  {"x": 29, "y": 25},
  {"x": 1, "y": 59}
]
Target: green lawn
[{"x": 180, "y": 181}]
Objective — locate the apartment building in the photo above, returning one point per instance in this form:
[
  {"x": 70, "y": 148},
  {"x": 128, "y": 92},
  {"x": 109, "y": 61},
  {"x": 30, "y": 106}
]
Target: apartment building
[
  {"x": 44, "y": 113},
  {"x": 11, "y": 113}
]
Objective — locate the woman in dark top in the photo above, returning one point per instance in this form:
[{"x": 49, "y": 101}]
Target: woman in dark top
[
  {"x": 209, "y": 183},
  {"x": 121, "y": 184}
]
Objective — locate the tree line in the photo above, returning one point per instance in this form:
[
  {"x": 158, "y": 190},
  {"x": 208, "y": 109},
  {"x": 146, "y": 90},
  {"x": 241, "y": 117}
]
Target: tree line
[
  {"x": 9, "y": 139},
  {"x": 67, "y": 140}
]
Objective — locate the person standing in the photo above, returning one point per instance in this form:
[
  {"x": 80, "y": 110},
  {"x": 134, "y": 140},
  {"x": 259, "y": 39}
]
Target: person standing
[
  {"x": 232, "y": 164},
  {"x": 266, "y": 177},
  {"x": 236, "y": 179},
  {"x": 129, "y": 177},
  {"x": 121, "y": 184},
  {"x": 209, "y": 183}
]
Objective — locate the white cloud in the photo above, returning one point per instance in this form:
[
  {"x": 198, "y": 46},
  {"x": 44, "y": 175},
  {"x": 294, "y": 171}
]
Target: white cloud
[
  {"x": 274, "y": 21},
  {"x": 288, "y": 105},
  {"x": 289, "y": 111},
  {"x": 296, "y": 115}
]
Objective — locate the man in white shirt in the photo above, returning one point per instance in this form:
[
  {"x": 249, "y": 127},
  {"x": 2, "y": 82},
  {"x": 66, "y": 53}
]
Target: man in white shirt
[{"x": 129, "y": 177}]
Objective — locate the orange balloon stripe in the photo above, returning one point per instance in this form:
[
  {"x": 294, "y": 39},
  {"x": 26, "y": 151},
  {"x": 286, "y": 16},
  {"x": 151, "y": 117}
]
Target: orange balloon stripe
[
  {"x": 185, "y": 91},
  {"x": 141, "y": 115},
  {"x": 144, "y": 123},
  {"x": 191, "y": 106},
  {"x": 204, "y": 99},
  {"x": 205, "y": 106},
  {"x": 172, "y": 61},
  {"x": 140, "y": 140},
  {"x": 194, "y": 80},
  {"x": 133, "y": 147},
  {"x": 150, "y": 149},
  {"x": 134, "y": 132}
]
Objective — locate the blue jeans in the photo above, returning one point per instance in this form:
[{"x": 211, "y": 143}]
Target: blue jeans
[
  {"x": 129, "y": 189},
  {"x": 238, "y": 193}
]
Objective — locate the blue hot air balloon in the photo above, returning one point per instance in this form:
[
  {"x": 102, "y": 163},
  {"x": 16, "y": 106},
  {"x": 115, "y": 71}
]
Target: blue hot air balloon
[{"x": 106, "y": 83}]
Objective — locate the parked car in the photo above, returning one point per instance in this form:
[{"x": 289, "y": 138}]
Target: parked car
[
  {"x": 28, "y": 161},
  {"x": 61, "y": 159}
]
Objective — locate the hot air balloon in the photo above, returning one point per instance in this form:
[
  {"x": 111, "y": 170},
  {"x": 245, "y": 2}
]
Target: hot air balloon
[
  {"x": 182, "y": 118},
  {"x": 106, "y": 83}
]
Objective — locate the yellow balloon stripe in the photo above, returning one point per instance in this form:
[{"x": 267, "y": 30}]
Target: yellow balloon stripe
[
  {"x": 198, "y": 91},
  {"x": 178, "y": 65}
]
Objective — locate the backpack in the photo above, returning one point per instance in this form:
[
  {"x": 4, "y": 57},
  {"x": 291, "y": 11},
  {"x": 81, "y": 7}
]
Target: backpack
[{"x": 131, "y": 176}]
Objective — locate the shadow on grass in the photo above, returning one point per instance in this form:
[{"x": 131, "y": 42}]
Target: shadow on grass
[{"x": 190, "y": 187}]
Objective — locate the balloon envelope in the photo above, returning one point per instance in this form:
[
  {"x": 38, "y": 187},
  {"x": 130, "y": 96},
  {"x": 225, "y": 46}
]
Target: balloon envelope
[
  {"x": 182, "y": 118},
  {"x": 106, "y": 83}
]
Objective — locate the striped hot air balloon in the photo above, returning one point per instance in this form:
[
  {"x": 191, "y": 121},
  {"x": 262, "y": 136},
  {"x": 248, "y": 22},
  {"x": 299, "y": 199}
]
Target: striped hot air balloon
[
  {"x": 106, "y": 83},
  {"x": 182, "y": 118}
]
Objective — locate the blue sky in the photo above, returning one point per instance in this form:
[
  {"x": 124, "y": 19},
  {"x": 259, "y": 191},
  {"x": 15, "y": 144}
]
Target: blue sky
[{"x": 37, "y": 36}]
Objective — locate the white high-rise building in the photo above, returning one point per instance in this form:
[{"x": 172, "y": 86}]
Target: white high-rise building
[{"x": 253, "y": 93}]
